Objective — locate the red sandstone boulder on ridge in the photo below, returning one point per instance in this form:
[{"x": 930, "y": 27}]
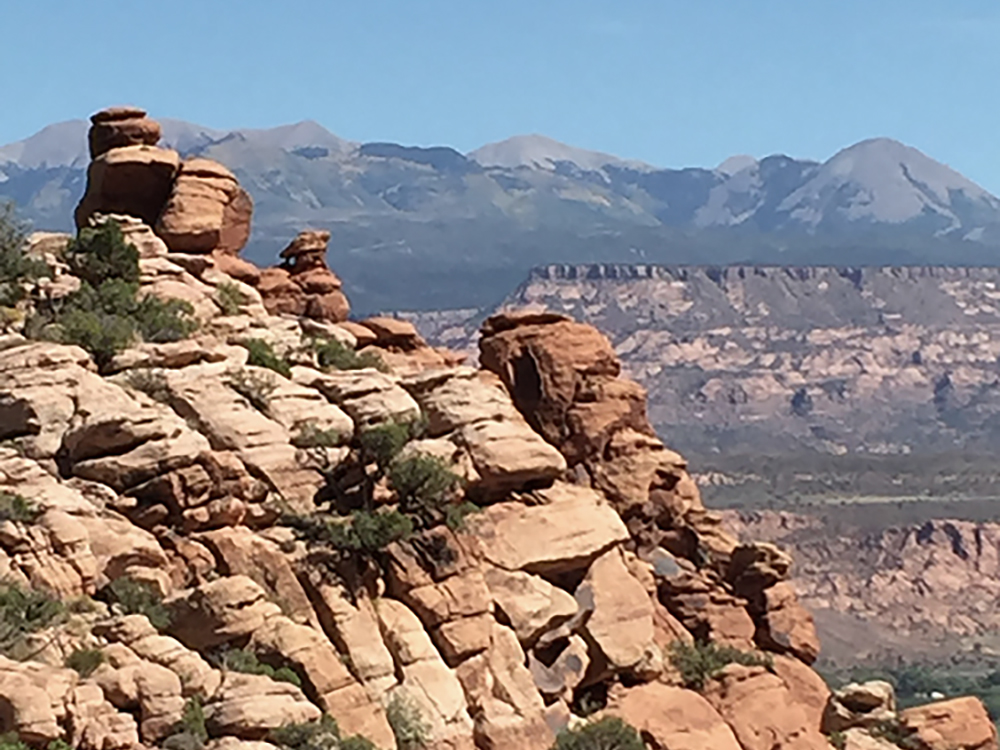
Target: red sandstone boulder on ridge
[
  {"x": 303, "y": 284},
  {"x": 131, "y": 180},
  {"x": 207, "y": 211},
  {"x": 117, "y": 127},
  {"x": 957, "y": 724}
]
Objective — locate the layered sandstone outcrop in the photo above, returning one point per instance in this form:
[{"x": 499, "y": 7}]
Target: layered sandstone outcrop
[{"x": 423, "y": 552}]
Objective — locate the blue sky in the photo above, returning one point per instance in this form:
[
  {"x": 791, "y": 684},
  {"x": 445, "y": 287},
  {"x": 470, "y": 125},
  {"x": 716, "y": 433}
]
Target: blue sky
[{"x": 671, "y": 82}]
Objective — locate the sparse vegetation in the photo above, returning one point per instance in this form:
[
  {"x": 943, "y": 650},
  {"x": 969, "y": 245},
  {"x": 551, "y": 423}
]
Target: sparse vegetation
[
  {"x": 893, "y": 733},
  {"x": 255, "y": 387},
  {"x": 317, "y": 735},
  {"x": 838, "y": 740},
  {"x": 17, "y": 508},
  {"x": 16, "y": 267},
  {"x": 85, "y": 661},
  {"x": 311, "y": 436},
  {"x": 246, "y": 661},
  {"x": 24, "y": 611},
  {"x": 193, "y": 719},
  {"x": 408, "y": 725},
  {"x": 364, "y": 532},
  {"x": 610, "y": 733},
  {"x": 702, "y": 661},
  {"x": 230, "y": 298},
  {"x": 107, "y": 314},
  {"x": 332, "y": 354},
  {"x": 425, "y": 486},
  {"x": 262, "y": 354},
  {"x": 151, "y": 382},
  {"x": 139, "y": 598}
]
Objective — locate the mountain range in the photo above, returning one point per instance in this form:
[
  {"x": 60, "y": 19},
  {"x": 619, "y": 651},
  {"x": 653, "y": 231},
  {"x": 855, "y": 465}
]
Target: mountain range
[{"x": 462, "y": 230}]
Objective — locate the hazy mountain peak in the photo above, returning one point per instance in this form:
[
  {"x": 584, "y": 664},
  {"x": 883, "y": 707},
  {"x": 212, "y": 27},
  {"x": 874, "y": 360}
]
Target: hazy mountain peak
[
  {"x": 881, "y": 179},
  {"x": 542, "y": 152},
  {"x": 63, "y": 144},
  {"x": 735, "y": 164}
]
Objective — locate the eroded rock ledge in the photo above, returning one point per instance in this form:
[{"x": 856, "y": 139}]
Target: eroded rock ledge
[{"x": 589, "y": 564}]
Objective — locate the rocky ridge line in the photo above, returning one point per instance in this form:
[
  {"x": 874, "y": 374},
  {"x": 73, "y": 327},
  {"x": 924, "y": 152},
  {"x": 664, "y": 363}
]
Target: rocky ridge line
[{"x": 590, "y": 561}]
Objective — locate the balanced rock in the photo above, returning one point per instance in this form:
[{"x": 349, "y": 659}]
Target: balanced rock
[
  {"x": 207, "y": 211},
  {"x": 117, "y": 127},
  {"x": 304, "y": 284},
  {"x": 132, "y": 180}
]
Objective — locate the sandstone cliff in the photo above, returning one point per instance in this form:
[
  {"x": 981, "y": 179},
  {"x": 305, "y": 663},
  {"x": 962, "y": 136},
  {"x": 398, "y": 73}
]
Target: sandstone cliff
[{"x": 285, "y": 518}]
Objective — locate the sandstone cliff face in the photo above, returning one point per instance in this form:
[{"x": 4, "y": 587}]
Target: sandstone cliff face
[
  {"x": 835, "y": 359},
  {"x": 587, "y": 574}
]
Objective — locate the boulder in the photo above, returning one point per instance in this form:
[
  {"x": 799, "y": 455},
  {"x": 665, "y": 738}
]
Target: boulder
[
  {"x": 132, "y": 180},
  {"x": 507, "y": 708},
  {"x": 670, "y": 718},
  {"x": 394, "y": 333},
  {"x": 620, "y": 620},
  {"x": 207, "y": 210},
  {"x": 240, "y": 551},
  {"x": 529, "y": 603},
  {"x": 369, "y": 397},
  {"x": 786, "y": 625},
  {"x": 956, "y": 724},
  {"x": 761, "y": 711},
  {"x": 116, "y": 127},
  {"x": 250, "y": 706},
  {"x": 565, "y": 534},
  {"x": 808, "y": 688},
  {"x": 426, "y": 681},
  {"x": 219, "y": 612},
  {"x": 862, "y": 705}
]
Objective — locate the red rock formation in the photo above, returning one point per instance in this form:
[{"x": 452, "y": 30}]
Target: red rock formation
[
  {"x": 564, "y": 378},
  {"x": 957, "y": 724},
  {"x": 117, "y": 127},
  {"x": 207, "y": 211},
  {"x": 131, "y": 180},
  {"x": 304, "y": 284}
]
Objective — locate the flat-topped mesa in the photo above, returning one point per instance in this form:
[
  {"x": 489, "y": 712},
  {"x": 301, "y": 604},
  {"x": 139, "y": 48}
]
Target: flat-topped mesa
[{"x": 304, "y": 285}]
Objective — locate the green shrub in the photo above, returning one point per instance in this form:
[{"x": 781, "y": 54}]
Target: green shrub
[
  {"x": 333, "y": 354},
  {"x": 246, "y": 661},
  {"x": 106, "y": 314},
  {"x": 161, "y": 321},
  {"x": 15, "y": 266},
  {"x": 894, "y": 733},
  {"x": 311, "y": 436},
  {"x": 369, "y": 532},
  {"x": 408, "y": 725},
  {"x": 610, "y": 733},
  {"x": 838, "y": 740},
  {"x": 255, "y": 387},
  {"x": 262, "y": 354},
  {"x": 315, "y": 735},
  {"x": 702, "y": 661},
  {"x": 193, "y": 719},
  {"x": 101, "y": 253},
  {"x": 101, "y": 334},
  {"x": 424, "y": 484},
  {"x": 150, "y": 382},
  {"x": 10, "y": 741},
  {"x": 455, "y": 515},
  {"x": 382, "y": 443},
  {"x": 24, "y": 611},
  {"x": 230, "y": 298},
  {"x": 17, "y": 508},
  {"x": 85, "y": 661},
  {"x": 139, "y": 598},
  {"x": 357, "y": 742}
]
